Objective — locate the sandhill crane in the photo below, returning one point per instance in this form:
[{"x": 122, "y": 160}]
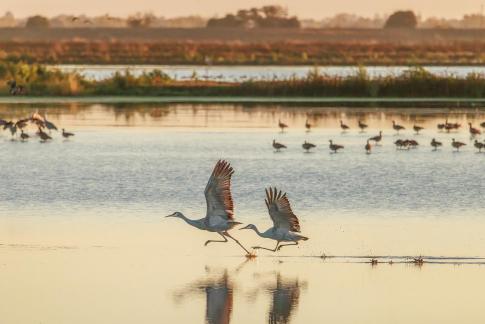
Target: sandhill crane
[
  {"x": 435, "y": 144},
  {"x": 417, "y": 128},
  {"x": 308, "y": 126},
  {"x": 343, "y": 126},
  {"x": 220, "y": 208},
  {"x": 307, "y": 146},
  {"x": 368, "y": 147},
  {"x": 282, "y": 125},
  {"x": 66, "y": 134},
  {"x": 473, "y": 131},
  {"x": 335, "y": 147},
  {"x": 23, "y": 136},
  {"x": 457, "y": 144},
  {"x": 43, "y": 135},
  {"x": 286, "y": 227},
  {"x": 397, "y": 127},
  {"x": 377, "y": 138},
  {"x": 362, "y": 126},
  {"x": 278, "y": 146},
  {"x": 479, "y": 145}
]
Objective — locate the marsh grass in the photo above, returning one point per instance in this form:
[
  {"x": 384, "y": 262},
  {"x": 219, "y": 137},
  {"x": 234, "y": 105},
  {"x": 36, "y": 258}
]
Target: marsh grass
[{"x": 415, "y": 82}]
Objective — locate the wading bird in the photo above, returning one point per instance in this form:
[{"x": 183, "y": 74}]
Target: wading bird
[
  {"x": 308, "y": 126},
  {"x": 66, "y": 134},
  {"x": 368, "y": 147},
  {"x": 362, "y": 126},
  {"x": 457, "y": 144},
  {"x": 285, "y": 223},
  {"x": 417, "y": 128},
  {"x": 335, "y": 147},
  {"x": 307, "y": 146},
  {"x": 400, "y": 144},
  {"x": 278, "y": 146},
  {"x": 473, "y": 131},
  {"x": 344, "y": 127},
  {"x": 377, "y": 138},
  {"x": 220, "y": 208},
  {"x": 43, "y": 135},
  {"x": 49, "y": 125},
  {"x": 397, "y": 127},
  {"x": 435, "y": 144},
  {"x": 479, "y": 146},
  {"x": 282, "y": 125},
  {"x": 23, "y": 136}
]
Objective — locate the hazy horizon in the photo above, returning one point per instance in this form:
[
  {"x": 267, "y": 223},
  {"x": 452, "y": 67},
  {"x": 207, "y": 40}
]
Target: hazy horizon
[{"x": 315, "y": 9}]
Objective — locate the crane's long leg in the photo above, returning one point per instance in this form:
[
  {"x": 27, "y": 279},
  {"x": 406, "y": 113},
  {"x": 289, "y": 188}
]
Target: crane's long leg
[
  {"x": 215, "y": 241},
  {"x": 294, "y": 243},
  {"x": 229, "y": 235},
  {"x": 263, "y": 248}
]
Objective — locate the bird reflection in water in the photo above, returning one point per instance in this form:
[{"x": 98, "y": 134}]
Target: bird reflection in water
[
  {"x": 219, "y": 292},
  {"x": 285, "y": 299}
]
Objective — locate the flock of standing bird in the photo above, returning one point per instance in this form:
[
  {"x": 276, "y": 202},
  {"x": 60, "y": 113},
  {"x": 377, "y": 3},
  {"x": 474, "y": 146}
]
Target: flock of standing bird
[
  {"x": 44, "y": 128},
  {"x": 400, "y": 143}
]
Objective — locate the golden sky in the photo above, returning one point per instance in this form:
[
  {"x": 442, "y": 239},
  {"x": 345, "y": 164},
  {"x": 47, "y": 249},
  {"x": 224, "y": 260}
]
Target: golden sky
[{"x": 302, "y": 8}]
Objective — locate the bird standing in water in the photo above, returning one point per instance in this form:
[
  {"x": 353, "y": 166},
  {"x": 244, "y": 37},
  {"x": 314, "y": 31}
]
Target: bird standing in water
[
  {"x": 220, "y": 207},
  {"x": 66, "y": 134},
  {"x": 307, "y": 146},
  {"x": 278, "y": 146},
  {"x": 308, "y": 126},
  {"x": 435, "y": 144},
  {"x": 368, "y": 147},
  {"x": 286, "y": 227},
  {"x": 282, "y": 126},
  {"x": 335, "y": 147}
]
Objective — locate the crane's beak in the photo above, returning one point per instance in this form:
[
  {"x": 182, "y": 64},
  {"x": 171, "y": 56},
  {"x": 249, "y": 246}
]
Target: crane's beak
[
  {"x": 245, "y": 227},
  {"x": 171, "y": 215}
]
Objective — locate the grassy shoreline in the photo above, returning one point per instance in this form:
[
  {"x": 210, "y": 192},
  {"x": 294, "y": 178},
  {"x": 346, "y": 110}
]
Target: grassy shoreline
[{"x": 40, "y": 81}]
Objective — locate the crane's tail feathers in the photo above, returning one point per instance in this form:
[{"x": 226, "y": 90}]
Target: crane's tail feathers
[{"x": 304, "y": 238}]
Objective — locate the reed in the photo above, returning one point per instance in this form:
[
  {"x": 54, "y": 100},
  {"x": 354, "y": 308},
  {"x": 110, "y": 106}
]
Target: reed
[{"x": 415, "y": 82}]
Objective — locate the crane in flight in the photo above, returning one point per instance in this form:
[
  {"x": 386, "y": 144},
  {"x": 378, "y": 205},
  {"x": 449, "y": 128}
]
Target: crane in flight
[
  {"x": 286, "y": 227},
  {"x": 220, "y": 207}
]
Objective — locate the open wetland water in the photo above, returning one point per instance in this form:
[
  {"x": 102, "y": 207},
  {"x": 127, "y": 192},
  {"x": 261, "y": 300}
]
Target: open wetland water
[{"x": 83, "y": 238}]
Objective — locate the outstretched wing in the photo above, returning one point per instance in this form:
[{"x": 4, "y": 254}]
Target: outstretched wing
[
  {"x": 218, "y": 192},
  {"x": 280, "y": 210}
]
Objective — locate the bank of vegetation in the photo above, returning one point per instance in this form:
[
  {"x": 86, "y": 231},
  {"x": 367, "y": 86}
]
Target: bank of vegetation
[
  {"x": 37, "y": 80},
  {"x": 227, "y": 53}
]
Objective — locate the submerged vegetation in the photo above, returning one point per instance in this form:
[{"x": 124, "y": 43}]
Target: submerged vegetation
[{"x": 38, "y": 80}]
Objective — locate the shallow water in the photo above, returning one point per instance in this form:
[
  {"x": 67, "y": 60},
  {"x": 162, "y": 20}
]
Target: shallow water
[
  {"x": 244, "y": 73},
  {"x": 83, "y": 218}
]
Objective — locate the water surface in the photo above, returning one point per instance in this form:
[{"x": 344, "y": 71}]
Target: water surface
[{"x": 83, "y": 239}]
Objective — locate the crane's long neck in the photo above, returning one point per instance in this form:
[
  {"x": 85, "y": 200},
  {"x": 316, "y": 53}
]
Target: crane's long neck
[
  {"x": 196, "y": 223},
  {"x": 257, "y": 231}
]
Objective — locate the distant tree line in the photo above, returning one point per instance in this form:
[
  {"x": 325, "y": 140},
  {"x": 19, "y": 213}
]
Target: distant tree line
[{"x": 264, "y": 17}]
